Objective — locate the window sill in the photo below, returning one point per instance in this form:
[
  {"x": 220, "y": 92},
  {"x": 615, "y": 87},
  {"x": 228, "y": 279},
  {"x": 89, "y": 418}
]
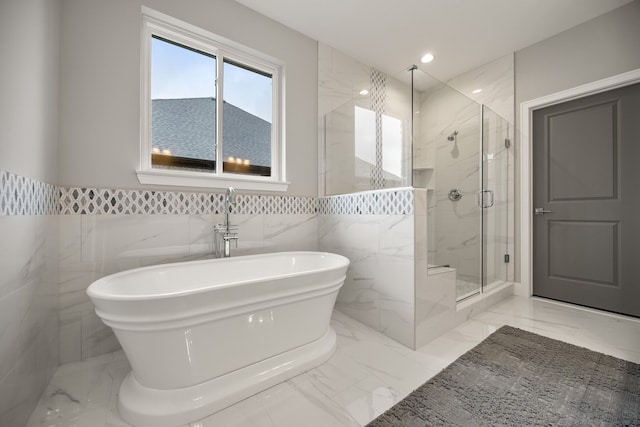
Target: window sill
[{"x": 194, "y": 179}]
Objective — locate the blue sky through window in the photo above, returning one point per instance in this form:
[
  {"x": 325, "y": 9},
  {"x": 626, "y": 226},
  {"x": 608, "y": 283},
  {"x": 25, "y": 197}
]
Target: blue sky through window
[{"x": 177, "y": 72}]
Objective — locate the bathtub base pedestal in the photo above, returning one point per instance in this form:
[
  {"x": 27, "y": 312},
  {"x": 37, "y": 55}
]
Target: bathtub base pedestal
[{"x": 148, "y": 407}]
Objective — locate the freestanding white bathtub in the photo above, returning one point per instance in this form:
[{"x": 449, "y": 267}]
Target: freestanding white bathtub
[{"x": 202, "y": 335}]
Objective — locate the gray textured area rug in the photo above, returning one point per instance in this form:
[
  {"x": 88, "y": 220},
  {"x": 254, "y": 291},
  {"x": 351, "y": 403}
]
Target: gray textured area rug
[{"x": 517, "y": 378}]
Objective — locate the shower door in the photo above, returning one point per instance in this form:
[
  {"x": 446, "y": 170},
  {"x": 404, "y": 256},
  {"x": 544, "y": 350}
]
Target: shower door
[
  {"x": 447, "y": 162},
  {"x": 494, "y": 197}
]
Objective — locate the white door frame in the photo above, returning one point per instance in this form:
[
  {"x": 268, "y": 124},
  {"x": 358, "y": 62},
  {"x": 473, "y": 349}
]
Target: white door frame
[{"x": 526, "y": 163}]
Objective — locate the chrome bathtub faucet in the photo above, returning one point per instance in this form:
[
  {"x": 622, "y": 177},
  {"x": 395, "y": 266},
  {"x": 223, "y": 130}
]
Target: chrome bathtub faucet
[{"x": 226, "y": 232}]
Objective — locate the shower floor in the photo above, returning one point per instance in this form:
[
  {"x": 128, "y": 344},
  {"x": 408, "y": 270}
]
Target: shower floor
[{"x": 465, "y": 289}]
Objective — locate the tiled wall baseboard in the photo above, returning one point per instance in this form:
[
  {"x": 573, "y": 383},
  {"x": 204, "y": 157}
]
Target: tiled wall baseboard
[{"x": 25, "y": 196}]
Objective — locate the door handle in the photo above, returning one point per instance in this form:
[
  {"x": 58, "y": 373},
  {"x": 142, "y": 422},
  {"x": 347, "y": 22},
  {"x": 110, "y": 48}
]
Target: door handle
[
  {"x": 481, "y": 203},
  {"x": 541, "y": 211}
]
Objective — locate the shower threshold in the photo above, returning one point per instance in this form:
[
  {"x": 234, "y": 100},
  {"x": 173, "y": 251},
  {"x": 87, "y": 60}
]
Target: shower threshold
[
  {"x": 476, "y": 292},
  {"x": 468, "y": 295}
]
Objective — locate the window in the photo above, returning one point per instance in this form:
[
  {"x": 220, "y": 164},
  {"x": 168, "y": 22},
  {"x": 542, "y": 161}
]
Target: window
[{"x": 211, "y": 110}]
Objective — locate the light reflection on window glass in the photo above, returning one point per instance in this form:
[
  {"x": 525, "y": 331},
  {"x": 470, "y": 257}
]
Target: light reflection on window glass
[
  {"x": 247, "y": 119},
  {"x": 183, "y": 107}
]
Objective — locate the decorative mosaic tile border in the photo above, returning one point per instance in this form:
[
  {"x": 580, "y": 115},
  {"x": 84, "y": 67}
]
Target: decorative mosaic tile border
[
  {"x": 25, "y": 196},
  {"x": 20, "y": 195},
  {"x": 96, "y": 201},
  {"x": 382, "y": 202},
  {"x": 88, "y": 201},
  {"x": 378, "y": 105},
  {"x": 252, "y": 204}
]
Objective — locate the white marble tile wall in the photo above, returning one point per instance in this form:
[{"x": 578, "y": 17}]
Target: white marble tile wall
[
  {"x": 92, "y": 246},
  {"x": 340, "y": 78},
  {"x": 342, "y": 173},
  {"x": 456, "y": 226},
  {"x": 496, "y": 79},
  {"x": 28, "y": 312},
  {"x": 435, "y": 290},
  {"x": 436, "y": 308},
  {"x": 388, "y": 287},
  {"x": 435, "y": 304},
  {"x": 455, "y": 233},
  {"x": 379, "y": 288}
]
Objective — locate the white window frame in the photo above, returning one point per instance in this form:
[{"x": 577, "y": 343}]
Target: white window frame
[{"x": 156, "y": 23}]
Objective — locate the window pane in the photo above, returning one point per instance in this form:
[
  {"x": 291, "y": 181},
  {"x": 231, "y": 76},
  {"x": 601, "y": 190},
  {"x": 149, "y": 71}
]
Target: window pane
[
  {"x": 183, "y": 107},
  {"x": 246, "y": 120}
]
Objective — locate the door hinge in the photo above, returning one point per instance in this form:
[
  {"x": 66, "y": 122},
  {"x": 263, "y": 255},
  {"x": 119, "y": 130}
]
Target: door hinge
[
  {"x": 507, "y": 143},
  {"x": 506, "y": 258}
]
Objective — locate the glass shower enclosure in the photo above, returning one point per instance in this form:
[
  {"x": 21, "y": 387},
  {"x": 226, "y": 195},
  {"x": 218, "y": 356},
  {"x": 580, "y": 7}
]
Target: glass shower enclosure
[
  {"x": 461, "y": 157},
  {"x": 412, "y": 130},
  {"x": 368, "y": 139}
]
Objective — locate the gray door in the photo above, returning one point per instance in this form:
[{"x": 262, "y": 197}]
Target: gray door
[{"x": 586, "y": 155}]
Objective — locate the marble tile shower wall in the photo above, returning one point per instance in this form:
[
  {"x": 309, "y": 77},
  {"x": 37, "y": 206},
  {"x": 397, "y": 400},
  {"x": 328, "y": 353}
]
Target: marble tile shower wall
[
  {"x": 375, "y": 230},
  {"x": 28, "y": 294},
  {"x": 103, "y": 231},
  {"x": 496, "y": 79},
  {"x": 454, "y": 225}
]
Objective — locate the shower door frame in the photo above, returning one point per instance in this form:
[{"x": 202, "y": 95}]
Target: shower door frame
[{"x": 502, "y": 147}]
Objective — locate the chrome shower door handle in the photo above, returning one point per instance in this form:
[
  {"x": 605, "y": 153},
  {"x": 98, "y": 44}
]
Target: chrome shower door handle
[
  {"x": 481, "y": 194},
  {"x": 540, "y": 211}
]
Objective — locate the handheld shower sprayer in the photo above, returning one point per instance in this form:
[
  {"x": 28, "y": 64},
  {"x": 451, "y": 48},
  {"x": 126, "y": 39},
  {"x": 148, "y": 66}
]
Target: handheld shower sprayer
[
  {"x": 453, "y": 136},
  {"x": 230, "y": 199},
  {"x": 229, "y": 203}
]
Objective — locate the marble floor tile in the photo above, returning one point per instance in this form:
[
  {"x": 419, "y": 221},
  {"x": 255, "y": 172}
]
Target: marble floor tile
[
  {"x": 366, "y": 376},
  {"x": 247, "y": 413},
  {"x": 368, "y": 398}
]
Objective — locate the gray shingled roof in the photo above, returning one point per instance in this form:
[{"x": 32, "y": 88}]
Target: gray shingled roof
[{"x": 187, "y": 128}]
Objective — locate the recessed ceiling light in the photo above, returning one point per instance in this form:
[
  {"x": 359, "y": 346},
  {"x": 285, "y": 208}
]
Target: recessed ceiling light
[
  {"x": 477, "y": 91},
  {"x": 364, "y": 92},
  {"x": 426, "y": 58}
]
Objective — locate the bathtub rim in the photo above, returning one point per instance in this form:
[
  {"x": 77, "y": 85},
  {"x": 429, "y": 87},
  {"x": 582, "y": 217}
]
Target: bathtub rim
[
  {"x": 92, "y": 293},
  {"x": 180, "y": 319}
]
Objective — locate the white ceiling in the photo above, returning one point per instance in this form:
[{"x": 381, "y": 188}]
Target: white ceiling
[{"x": 390, "y": 35}]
